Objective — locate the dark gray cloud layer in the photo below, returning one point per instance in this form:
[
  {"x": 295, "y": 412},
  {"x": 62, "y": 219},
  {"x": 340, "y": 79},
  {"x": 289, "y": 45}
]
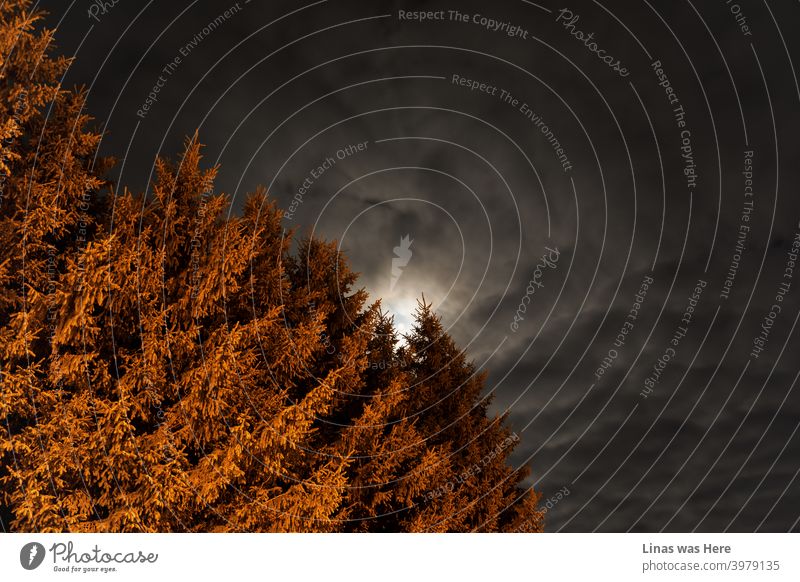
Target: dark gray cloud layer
[{"x": 277, "y": 89}]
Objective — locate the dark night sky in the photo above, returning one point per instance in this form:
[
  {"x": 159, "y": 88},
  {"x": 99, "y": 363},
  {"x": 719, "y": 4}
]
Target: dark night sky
[{"x": 276, "y": 88}]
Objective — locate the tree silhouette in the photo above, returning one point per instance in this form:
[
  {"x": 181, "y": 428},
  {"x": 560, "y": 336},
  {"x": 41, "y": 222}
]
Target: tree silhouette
[{"x": 167, "y": 367}]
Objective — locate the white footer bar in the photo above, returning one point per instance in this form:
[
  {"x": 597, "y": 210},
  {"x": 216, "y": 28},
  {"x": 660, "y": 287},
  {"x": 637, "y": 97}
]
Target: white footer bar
[{"x": 400, "y": 557}]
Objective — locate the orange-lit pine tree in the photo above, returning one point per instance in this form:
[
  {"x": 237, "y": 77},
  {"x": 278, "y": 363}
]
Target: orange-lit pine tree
[
  {"x": 167, "y": 367},
  {"x": 50, "y": 190}
]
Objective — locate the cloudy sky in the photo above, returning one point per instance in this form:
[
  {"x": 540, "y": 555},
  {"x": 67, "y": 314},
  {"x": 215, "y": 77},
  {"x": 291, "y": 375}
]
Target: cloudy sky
[{"x": 600, "y": 200}]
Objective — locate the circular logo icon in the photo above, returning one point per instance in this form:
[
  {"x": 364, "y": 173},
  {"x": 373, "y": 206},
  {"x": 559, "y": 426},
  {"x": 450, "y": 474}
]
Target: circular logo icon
[{"x": 31, "y": 555}]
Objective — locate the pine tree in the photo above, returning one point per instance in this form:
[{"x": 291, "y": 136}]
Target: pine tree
[
  {"x": 165, "y": 366},
  {"x": 448, "y": 471},
  {"x": 50, "y": 193}
]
